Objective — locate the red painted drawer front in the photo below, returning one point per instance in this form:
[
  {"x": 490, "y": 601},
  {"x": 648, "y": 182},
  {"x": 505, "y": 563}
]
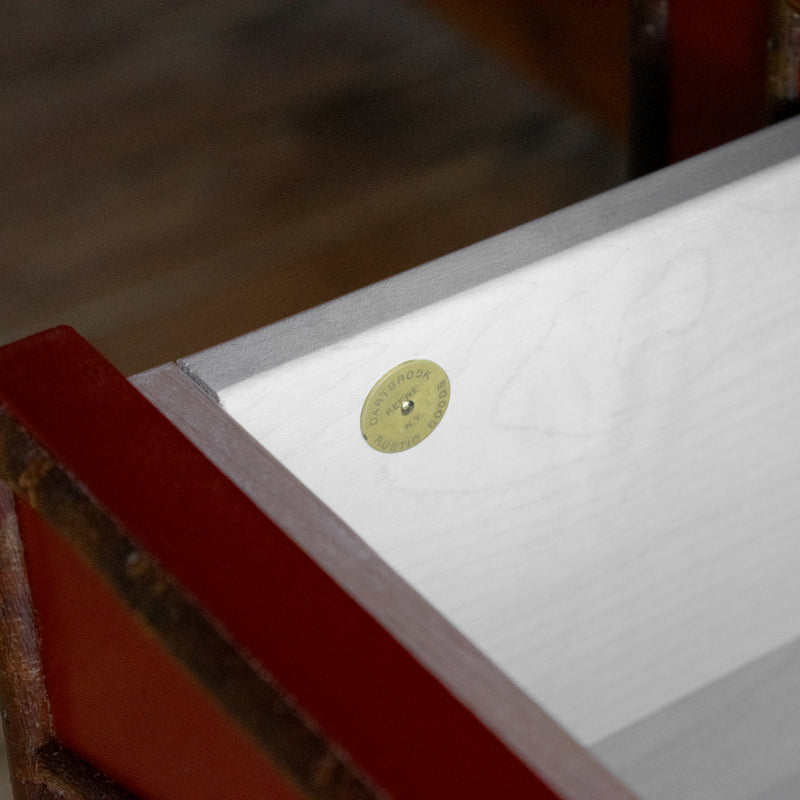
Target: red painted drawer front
[{"x": 365, "y": 691}]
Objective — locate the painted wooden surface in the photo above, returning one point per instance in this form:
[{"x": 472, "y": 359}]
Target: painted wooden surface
[
  {"x": 359, "y": 686},
  {"x": 737, "y": 738},
  {"x": 121, "y": 700},
  {"x": 474, "y": 681},
  {"x": 608, "y": 509}
]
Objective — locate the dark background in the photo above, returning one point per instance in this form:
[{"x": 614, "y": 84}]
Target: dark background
[{"x": 173, "y": 174}]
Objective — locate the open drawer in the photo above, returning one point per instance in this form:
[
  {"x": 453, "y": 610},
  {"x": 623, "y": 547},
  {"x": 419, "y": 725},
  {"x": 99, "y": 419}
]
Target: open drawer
[{"x": 579, "y": 583}]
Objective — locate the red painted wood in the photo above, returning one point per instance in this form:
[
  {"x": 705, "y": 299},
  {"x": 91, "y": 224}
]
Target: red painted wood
[
  {"x": 365, "y": 691},
  {"x": 118, "y": 699},
  {"x": 718, "y": 72}
]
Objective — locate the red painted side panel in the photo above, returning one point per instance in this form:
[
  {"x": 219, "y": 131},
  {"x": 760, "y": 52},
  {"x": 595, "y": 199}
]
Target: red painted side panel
[
  {"x": 365, "y": 691},
  {"x": 119, "y": 700}
]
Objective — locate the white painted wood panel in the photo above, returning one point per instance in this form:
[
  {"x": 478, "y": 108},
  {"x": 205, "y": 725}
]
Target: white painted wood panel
[
  {"x": 462, "y": 669},
  {"x": 736, "y": 739},
  {"x": 609, "y": 509}
]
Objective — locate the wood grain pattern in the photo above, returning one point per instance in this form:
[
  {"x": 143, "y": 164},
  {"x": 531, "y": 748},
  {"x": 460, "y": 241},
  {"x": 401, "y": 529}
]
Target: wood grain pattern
[
  {"x": 600, "y": 399},
  {"x": 263, "y": 349},
  {"x": 26, "y": 714},
  {"x": 622, "y": 423}
]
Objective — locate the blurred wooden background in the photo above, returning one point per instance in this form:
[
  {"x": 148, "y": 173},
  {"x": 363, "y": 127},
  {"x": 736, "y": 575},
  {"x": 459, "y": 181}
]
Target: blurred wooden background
[
  {"x": 173, "y": 174},
  {"x": 176, "y": 173}
]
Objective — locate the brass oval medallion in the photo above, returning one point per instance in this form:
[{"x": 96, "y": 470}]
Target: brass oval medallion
[{"x": 405, "y": 406}]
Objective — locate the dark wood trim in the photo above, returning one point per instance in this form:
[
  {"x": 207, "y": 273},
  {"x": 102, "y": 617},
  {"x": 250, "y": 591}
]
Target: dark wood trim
[
  {"x": 26, "y": 713},
  {"x": 783, "y": 66}
]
